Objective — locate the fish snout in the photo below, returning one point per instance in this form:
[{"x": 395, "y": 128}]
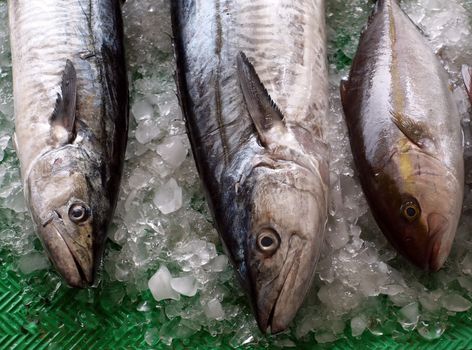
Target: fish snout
[{"x": 73, "y": 258}]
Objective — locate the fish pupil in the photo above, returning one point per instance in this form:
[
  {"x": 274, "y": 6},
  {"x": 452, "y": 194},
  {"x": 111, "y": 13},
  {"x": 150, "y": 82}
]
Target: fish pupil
[
  {"x": 77, "y": 212},
  {"x": 411, "y": 212},
  {"x": 266, "y": 242}
]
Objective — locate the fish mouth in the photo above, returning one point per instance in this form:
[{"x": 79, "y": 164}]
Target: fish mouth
[
  {"x": 438, "y": 250},
  {"x": 286, "y": 293},
  {"x": 269, "y": 322},
  {"x": 70, "y": 260}
]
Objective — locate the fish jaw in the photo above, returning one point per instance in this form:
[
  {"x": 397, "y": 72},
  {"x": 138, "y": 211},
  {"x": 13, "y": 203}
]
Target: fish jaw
[{"x": 73, "y": 261}]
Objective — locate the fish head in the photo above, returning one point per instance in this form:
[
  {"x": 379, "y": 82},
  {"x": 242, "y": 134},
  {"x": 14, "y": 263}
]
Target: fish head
[
  {"x": 287, "y": 214},
  {"x": 417, "y": 205},
  {"x": 65, "y": 195},
  {"x": 283, "y": 203}
]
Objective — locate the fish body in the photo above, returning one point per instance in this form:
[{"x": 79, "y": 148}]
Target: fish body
[
  {"x": 405, "y": 135},
  {"x": 252, "y": 80},
  {"x": 71, "y": 121}
]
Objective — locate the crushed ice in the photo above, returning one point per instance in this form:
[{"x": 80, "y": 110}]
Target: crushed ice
[{"x": 163, "y": 239}]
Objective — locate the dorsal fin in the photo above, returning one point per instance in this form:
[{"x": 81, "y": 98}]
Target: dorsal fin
[
  {"x": 467, "y": 76},
  {"x": 263, "y": 111},
  {"x": 63, "y": 116}
]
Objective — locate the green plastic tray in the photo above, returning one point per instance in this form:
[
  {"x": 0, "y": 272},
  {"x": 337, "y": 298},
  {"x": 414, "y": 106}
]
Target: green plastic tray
[{"x": 35, "y": 316}]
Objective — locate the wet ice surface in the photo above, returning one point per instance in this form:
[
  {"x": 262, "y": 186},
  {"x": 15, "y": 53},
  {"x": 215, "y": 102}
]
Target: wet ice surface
[{"x": 162, "y": 240}]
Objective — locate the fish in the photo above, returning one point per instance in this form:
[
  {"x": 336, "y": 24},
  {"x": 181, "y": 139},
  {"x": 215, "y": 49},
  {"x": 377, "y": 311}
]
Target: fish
[
  {"x": 70, "y": 92},
  {"x": 405, "y": 135},
  {"x": 252, "y": 84}
]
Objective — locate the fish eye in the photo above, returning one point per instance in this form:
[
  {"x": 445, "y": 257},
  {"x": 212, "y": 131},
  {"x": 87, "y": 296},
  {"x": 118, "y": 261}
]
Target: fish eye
[
  {"x": 268, "y": 241},
  {"x": 410, "y": 211},
  {"x": 79, "y": 212}
]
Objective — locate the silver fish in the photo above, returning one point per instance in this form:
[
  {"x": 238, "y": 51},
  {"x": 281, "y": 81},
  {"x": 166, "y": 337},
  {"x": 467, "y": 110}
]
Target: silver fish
[
  {"x": 252, "y": 79},
  {"x": 71, "y": 121}
]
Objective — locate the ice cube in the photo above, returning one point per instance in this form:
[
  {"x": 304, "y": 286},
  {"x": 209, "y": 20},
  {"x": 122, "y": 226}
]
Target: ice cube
[
  {"x": 183, "y": 331},
  {"x": 408, "y": 316},
  {"x": 325, "y": 337},
  {"x": 142, "y": 110},
  {"x": 194, "y": 253},
  {"x": 466, "y": 264},
  {"x": 169, "y": 197},
  {"x": 404, "y": 298},
  {"x": 218, "y": 264},
  {"x": 284, "y": 343},
  {"x": 430, "y": 300},
  {"x": 168, "y": 104},
  {"x": 120, "y": 235},
  {"x": 4, "y": 140},
  {"x": 359, "y": 325},
  {"x": 139, "y": 178},
  {"x": 375, "y": 327},
  {"x": 184, "y": 285},
  {"x": 173, "y": 151},
  {"x": 465, "y": 282},
  {"x": 168, "y": 331},
  {"x": 242, "y": 336},
  {"x": 391, "y": 289},
  {"x": 147, "y": 131},
  {"x": 144, "y": 306},
  {"x": 33, "y": 262},
  {"x": 337, "y": 235},
  {"x": 431, "y": 330},
  {"x": 122, "y": 272},
  {"x": 160, "y": 287},
  {"x": 456, "y": 303},
  {"x": 214, "y": 310},
  {"x": 151, "y": 337},
  {"x": 173, "y": 310}
]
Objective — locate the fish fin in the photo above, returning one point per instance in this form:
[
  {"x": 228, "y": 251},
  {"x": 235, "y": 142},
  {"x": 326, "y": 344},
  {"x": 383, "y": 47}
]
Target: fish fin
[
  {"x": 63, "y": 116},
  {"x": 15, "y": 142},
  {"x": 416, "y": 132},
  {"x": 467, "y": 76},
  {"x": 263, "y": 111},
  {"x": 416, "y": 25},
  {"x": 343, "y": 90}
]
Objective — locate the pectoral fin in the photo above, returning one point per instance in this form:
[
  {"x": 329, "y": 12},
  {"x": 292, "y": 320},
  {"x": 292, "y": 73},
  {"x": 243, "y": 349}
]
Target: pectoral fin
[
  {"x": 263, "y": 111},
  {"x": 15, "y": 142},
  {"x": 467, "y": 76},
  {"x": 343, "y": 89},
  {"x": 416, "y": 132},
  {"x": 63, "y": 118}
]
